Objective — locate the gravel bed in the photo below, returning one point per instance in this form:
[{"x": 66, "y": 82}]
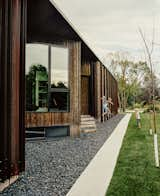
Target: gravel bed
[{"x": 52, "y": 166}]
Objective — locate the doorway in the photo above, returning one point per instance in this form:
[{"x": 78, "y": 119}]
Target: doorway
[{"x": 84, "y": 95}]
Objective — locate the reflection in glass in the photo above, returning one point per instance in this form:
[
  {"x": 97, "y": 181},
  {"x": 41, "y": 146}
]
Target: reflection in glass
[
  {"x": 36, "y": 77},
  {"x": 59, "y": 67},
  {"x": 58, "y": 101},
  {"x": 38, "y": 70}
]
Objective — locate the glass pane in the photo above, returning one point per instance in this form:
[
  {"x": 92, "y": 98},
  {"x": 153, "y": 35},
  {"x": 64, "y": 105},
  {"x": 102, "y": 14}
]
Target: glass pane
[
  {"x": 57, "y": 131},
  {"x": 36, "y": 77},
  {"x": 58, "y": 101},
  {"x": 59, "y": 67}
]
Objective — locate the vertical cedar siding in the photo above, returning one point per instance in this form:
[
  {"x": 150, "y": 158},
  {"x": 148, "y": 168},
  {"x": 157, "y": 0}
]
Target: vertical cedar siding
[
  {"x": 97, "y": 78},
  {"x": 108, "y": 88},
  {"x": 75, "y": 88},
  {"x": 72, "y": 118},
  {"x": 92, "y": 91},
  {"x": 13, "y": 117}
]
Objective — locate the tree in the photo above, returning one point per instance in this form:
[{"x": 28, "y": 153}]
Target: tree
[
  {"x": 31, "y": 85},
  {"x": 149, "y": 52},
  {"x": 146, "y": 91},
  {"x": 129, "y": 74}
]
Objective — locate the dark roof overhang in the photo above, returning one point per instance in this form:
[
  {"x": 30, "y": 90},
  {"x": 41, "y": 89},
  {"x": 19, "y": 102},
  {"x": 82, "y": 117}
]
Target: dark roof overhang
[{"x": 46, "y": 24}]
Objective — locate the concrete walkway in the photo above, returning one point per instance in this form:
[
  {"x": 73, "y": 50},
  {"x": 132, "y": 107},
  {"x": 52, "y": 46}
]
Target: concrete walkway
[{"x": 96, "y": 177}]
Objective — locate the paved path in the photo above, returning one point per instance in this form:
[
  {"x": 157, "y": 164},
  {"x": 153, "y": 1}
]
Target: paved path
[
  {"x": 53, "y": 166},
  {"x": 96, "y": 177}
]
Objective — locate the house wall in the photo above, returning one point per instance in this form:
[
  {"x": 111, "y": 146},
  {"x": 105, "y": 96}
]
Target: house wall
[
  {"x": 102, "y": 83},
  {"x": 71, "y": 118},
  {"x": 86, "y": 69},
  {"x": 105, "y": 85},
  {"x": 97, "y": 78},
  {"x": 85, "y": 88},
  {"x": 13, "y": 118}
]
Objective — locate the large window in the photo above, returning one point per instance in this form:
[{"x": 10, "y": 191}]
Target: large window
[
  {"x": 46, "y": 78},
  {"x": 59, "y": 67},
  {"x": 59, "y": 93}
]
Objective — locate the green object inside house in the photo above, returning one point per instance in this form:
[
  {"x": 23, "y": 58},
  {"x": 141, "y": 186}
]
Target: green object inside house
[{"x": 41, "y": 91}]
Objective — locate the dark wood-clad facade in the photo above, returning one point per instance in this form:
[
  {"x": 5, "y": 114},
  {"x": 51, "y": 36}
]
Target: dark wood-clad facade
[
  {"x": 71, "y": 118},
  {"x": 39, "y": 21}
]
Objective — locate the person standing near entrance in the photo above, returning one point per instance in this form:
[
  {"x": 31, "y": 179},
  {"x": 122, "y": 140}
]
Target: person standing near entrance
[{"x": 105, "y": 104}]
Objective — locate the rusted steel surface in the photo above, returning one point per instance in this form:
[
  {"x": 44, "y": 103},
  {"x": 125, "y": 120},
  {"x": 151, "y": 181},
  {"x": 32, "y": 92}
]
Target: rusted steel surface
[
  {"x": 11, "y": 75},
  {"x": 23, "y": 39},
  {"x": 4, "y": 94}
]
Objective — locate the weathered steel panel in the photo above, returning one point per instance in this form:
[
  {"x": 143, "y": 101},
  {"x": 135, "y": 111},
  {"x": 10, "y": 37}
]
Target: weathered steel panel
[{"x": 12, "y": 50}]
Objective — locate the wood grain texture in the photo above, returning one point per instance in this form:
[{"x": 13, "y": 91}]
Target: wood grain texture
[
  {"x": 75, "y": 89},
  {"x": 84, "y": 95},
  {"x": 72, "y": 118},
  {"x": 86, "y": 69},
  {"x": 97, "y": 78}
]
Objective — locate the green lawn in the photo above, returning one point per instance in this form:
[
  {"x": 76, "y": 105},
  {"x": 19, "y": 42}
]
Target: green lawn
[{"x": 135, "y": 173}]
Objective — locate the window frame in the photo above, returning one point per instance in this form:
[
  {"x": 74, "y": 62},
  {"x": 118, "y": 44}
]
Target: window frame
[
  {"x": 65, "y": 90},
  {"x": 50, "y": 90}
]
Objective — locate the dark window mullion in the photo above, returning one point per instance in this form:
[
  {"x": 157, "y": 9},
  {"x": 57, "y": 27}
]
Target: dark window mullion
[
  {"x": 49, "y": 75},
  {"x": 58, "y": 90}
]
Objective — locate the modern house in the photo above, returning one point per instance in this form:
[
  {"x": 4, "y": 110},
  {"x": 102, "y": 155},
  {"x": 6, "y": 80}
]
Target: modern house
[{"x": 41, "y": 51}]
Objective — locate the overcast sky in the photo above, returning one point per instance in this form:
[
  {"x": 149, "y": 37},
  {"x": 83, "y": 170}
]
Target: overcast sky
[
  {"x": 112, "y": 25},
  {"x": 38, "y": 54}
]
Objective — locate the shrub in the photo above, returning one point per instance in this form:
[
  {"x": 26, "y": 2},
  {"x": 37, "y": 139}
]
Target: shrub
[
  {"x": 150, "y": 107},
  {"x": 137, "y": 105},
  {"x": 143, "y": 103}
]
